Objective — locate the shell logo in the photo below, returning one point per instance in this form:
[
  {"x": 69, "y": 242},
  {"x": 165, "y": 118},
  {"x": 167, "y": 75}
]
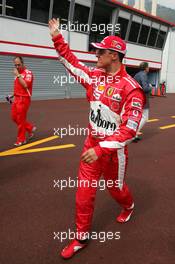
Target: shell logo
[{"x": 101, "y": 88}]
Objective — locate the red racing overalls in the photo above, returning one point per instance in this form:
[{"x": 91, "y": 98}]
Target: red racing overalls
[
  {"x": 21, "y": 104},
  {"x": 116, "y": 106}
]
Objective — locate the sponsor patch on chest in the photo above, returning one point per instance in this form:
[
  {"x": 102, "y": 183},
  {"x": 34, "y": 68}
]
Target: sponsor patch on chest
[
  {"x": 98, "y": 91},
  {"x": 113, "y": 93},
  {"x": 102, "y": 119}
]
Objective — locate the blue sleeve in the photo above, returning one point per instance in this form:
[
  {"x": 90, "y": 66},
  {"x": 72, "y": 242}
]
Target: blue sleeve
[{"x": 142, "y": 79}]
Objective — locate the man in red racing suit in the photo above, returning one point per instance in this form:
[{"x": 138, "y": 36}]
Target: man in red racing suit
[
  {"x": 116, "y": 105},
  {"x": 22, "y": 98}
]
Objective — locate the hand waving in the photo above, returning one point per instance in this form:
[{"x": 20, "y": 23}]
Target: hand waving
[{"x": 54, "y": 27}]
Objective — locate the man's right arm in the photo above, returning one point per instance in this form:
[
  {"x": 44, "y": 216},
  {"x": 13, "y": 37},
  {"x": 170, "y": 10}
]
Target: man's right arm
[{"x": 81, "y": 72}]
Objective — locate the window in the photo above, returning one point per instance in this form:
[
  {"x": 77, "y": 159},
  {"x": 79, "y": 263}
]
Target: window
[
  {"x": 123, "y": 26},
  {"x": 153, "y": 35},
  {"x": 135, "y": 27},
  {"x": 0, "y": 7},
  {"x": 40, "y": 10},
  {"x": 161, "y": 39},
  {"x": 100, "y": 24},
  {"x": 144, "y": 34},
  {"x": 134, "y": 31},
  {"x": 123, "y": 21},
  {"x": 81, "y": 14},
  {"x": 16, "y": 8},
  {"x": 144, "y": 31},
  {"x": 61, "y": 10}
]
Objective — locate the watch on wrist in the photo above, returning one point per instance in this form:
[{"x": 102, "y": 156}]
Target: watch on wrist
[{"x": 19, "y": 75}]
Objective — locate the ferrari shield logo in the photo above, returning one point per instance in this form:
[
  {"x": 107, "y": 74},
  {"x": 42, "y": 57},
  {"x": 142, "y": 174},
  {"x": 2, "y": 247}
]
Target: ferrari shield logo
[{"x": 110, "y": 91}]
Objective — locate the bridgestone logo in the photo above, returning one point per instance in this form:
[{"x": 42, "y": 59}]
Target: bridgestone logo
[{"x": 101, "y": 122}]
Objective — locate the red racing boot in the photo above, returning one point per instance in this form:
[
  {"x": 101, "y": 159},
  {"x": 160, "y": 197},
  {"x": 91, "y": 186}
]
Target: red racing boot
[
  {"x": 125, "y": 214},
  {"x": 72, "y": 248},
  {"x": 18, "y": 143}
]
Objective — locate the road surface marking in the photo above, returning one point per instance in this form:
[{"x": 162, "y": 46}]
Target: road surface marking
[
  {"x": 166, "y": 127},
  {"x": 152, "y": 120},
  {"x": 24, "y": 149}
]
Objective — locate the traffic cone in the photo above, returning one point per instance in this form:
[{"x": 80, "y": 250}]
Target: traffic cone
[
  {"x": 158, "y": 91},
  {"x": 153, "y": 91}
]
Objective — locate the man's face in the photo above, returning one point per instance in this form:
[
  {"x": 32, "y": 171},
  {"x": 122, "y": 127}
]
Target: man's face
[
  {"x": 105, "y": 58},
  {"x": 18, "y": 64}
]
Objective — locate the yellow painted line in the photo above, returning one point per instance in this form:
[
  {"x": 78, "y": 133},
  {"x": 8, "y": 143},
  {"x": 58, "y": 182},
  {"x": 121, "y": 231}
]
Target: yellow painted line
[
  {"x": 24, "y": 149},
  {"x": 33, "y": 143},
  {"x": 166, "y": 127},
  {"x": 152, "y": 120},
  {"x": 7, "y": 153}
]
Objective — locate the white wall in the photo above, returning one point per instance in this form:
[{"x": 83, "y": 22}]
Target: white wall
[
  {"x": 19, "y": 31},
  {"x": 144, "y": 53},
  {"x": 24, "y": 32},
  {"x": 29, "y": 33},
  {"x": 168, "y": 63},
  {"x": 165, "y": 58},
  {"x": 79, "y": 41}
]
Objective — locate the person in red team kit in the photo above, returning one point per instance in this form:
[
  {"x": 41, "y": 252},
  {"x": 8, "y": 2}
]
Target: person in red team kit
[
  {"x": 22, "y": 98},
  {"x": 116, "y": 106}
]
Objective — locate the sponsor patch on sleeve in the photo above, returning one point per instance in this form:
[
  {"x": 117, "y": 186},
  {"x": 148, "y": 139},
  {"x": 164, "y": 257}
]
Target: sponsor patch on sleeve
[
  {"x": 28, "y": 77},
  {"x": 135, "y": 115},
  {"x": 132, "y": 124},
  {"x": 136, "y": 103}
]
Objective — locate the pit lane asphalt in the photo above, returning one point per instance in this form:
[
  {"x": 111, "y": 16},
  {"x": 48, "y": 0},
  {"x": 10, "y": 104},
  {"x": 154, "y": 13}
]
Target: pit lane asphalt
[{"x": 31, "y": 209}]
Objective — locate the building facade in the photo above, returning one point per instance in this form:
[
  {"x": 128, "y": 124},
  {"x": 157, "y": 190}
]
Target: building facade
[{"x": 24, "y": 31}]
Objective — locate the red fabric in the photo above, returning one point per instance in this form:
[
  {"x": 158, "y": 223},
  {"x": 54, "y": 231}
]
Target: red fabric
[
  {"x": 28, "y": 78},
  {"x": 163, "y": 89},
  {"x": 111, "y": 98},
  {"x": 20, "y": 107},
  {"x": 113, "y": 43},
  {"x": 116, "y": 106},
  {"x": 108, "y": 166}
]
